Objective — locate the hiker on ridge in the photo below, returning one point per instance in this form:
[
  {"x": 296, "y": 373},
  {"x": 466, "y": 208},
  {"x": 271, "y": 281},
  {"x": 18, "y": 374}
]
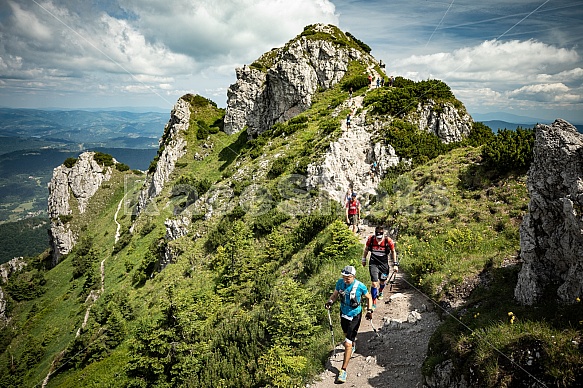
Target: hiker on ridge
[
  {"x": 353, "y": 213},
  {"x": 379, "y": 247},
  {"x": 350, "y": 291}
]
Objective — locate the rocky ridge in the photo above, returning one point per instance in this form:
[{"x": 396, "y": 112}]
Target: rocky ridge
[
  {"x": 6, "y": 270},
  {"x": 347, "y": 163},
  {"x": 70, "y": 185},
  {"x": 445, "y": 121},
  {"x": 551, "y": 234},
  {"x": 174, "y": 145},
  {"x": 259, "y": 99}
]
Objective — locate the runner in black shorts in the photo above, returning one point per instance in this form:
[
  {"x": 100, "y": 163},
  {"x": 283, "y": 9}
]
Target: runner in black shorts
[
  {"x": 349, "y": 291},
  {"x": 379, "y": 247}
]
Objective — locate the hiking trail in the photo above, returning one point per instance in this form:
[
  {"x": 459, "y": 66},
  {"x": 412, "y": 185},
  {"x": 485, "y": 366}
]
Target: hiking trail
[{"x": 405, "y": 320}]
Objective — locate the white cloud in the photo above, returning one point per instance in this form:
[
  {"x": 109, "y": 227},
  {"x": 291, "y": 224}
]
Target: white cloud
[
  {"x": 556, "y": 93},
  {"x": 500, "y": 74},
  {"x": 241, "y": 29},
  {"x": 146, "y": 45}
]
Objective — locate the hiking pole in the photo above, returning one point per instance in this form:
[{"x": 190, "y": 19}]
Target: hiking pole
[
  {"x": 374, "y": 328},
  {"x": 332, "y": 332}
]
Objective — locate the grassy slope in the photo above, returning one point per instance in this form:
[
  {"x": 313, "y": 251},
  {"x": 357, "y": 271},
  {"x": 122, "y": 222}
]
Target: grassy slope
[{"x": 458, "y": 227}]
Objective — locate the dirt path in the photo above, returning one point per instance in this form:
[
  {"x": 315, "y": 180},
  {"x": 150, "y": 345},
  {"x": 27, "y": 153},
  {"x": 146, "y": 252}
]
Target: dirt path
[{"x": 405, "y": 320}]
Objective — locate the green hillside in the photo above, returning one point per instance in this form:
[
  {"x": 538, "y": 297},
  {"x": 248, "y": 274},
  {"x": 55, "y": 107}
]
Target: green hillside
[{"x": 240, "y": 303}]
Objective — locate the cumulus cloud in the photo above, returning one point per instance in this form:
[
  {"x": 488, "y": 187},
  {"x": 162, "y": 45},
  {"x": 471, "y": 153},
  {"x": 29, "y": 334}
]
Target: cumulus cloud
[
  {"x": 234, "y": 30},
  {"x": 148, "y": 42},
  {"x": 524, "y": 72}
]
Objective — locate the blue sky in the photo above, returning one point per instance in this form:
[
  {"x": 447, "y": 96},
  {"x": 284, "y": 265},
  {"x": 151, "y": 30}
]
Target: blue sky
[{"x": 520, "y": 57}]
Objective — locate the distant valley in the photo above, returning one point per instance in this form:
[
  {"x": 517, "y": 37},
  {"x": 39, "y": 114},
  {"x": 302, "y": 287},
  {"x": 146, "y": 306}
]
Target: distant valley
[{"x": 34, "y": 142}]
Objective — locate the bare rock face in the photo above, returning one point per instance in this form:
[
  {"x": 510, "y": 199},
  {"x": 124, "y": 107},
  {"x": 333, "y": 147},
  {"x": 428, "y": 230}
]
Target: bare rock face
[
  {"x": 551, "y": 234},
  {"x": 259, "y": 99},
  {"x": 348, "y": 162},
  {"x": 174, "y": 145},
  {"x": 6, "y": 270},
  {"x": 79, "y": 183},
  {"x": 446, "y": 121}
]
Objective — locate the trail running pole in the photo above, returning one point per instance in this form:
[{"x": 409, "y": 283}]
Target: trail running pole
[
  {"x": 374, "y": 328},
  {"x": 332, "y": 332}
]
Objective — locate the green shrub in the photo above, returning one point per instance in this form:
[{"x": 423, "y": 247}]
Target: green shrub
[
  {"x": 411, "y": 142},
  {"x": 122, "y": 242},
  {"x": 267, "y": 222},
  {"x": 480, "y": 134},
  {"x": 65, "y": 218},
  {"x": 149, "y": 264},
  {"x": 198, "y": 101},
  {"x": 103, "y": 159},
  {"x": 278, "y": 167},
  {"x": 70, "y": 162},
  {"x": 122, "y": 167},
  {"x": 147, "y": 228},
  {"x": 26, "y": 285},
  {"x": 510, "y": 150},
  {"x": 355, "y": 82},
  {"x": 84, "y": 257},
  {"x": 393, "y": 101},
  {"x": 153, "y": 164},
  {"x": 310, "y": 225},
  {"x": 328, "y": 126},
  {"x": 203, "y": 130},
  {"x": 366, "y": 48}
]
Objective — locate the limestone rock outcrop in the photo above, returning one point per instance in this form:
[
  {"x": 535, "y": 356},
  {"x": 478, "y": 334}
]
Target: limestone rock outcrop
[
  {"x": 551, "y": 234},
  {"x": 447, "y": 122},
  {"x": 259, "y": 99},
  {"x": 6, "y": 270},
  {"x": 174, "y": 145},
  {"x": 348, "y": 161},
  {"x": 77, "y": 183}
]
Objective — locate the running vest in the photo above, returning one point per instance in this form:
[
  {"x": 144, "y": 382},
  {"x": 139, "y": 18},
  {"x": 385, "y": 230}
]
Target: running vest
[
  {"x": 379, "y": 252},
  {"x": 352, "y": 207}
]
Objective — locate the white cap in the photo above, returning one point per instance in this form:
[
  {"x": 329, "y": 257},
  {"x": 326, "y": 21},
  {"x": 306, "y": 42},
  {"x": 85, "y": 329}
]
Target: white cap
[{"x": 349, "y": 270}]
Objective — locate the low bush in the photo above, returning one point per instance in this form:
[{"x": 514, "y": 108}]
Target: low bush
[{"x": 510, "y": 150}]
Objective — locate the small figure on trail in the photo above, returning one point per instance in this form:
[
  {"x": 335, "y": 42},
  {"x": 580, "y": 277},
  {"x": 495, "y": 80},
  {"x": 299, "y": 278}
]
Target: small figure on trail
[
  {"x": 347, "y": 196},
  {"x": 369, "y": 80},
  {"x": 353, "y": 213},
  {"x": 379, "y": 247},
  {"x": 350, "y": 93},
  {"x": 382, "y": 81},
  {"x": 374, "y": 169},
  {"x": 378, "y": 82},
  {"x": 391, "y": 80},
  {"x": 350, "y": 291},
  {"x": 348, "y": 121}
]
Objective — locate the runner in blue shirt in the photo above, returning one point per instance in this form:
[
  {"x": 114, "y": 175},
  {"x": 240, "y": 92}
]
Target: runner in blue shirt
[{"x": 350, "y": 291}]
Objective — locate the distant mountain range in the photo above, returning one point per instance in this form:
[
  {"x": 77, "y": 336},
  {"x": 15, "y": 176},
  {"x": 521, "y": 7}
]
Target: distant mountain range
[{"x": 501, "y": 120}]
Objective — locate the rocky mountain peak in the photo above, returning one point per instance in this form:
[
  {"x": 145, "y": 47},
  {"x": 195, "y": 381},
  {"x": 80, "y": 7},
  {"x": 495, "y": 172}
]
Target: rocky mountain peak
[
  {"x": 551, "y": 234},
  {"x": 281, "y": 84}
]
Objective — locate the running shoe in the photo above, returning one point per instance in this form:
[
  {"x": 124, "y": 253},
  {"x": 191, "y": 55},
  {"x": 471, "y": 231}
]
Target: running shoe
[
  {"x": 381, "y": 296},
  {"x": 342, "y": 376}
]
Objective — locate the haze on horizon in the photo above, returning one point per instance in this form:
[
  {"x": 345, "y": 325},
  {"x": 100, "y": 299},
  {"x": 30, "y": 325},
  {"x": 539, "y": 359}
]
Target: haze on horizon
[{"x": 521, "y": 58}]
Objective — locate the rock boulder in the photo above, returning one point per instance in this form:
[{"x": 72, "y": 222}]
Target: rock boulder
[{"x": 551, "y": 234}]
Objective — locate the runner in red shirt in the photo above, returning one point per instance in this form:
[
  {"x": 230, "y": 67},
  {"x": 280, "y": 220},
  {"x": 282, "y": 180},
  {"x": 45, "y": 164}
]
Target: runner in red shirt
[{"x": 353, "y": 213}]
